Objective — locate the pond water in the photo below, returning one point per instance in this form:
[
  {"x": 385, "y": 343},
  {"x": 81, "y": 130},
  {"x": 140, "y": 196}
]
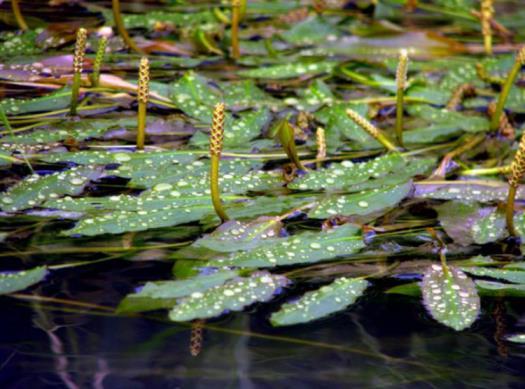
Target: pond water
[{"x": 384, "y": 341}]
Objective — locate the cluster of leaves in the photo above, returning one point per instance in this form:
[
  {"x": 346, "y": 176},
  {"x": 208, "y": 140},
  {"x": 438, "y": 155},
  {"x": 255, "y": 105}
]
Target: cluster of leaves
[{"x": 357, "y": 204}]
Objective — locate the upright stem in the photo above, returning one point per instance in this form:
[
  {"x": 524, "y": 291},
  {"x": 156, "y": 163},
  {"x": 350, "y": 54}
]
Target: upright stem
[
  {"x": 18, "y": 15},
  {"x": 509, "y": 82},
  {"x": 78, "y": 64},
  {"x": 216, "y": 139},
  {"x": 321, "y": 146},
  {"x": 236, "y": 8},
  {"x": 486, "y": 14},
  {"x": 142, "y": 97},
  {"x": 122, "y": 28},
  {"x": 517, "y": 171},
  {"x": 509, "y": 214},
  {"x": 101, "y": 51},
  {"x": 401, "y": 79}
]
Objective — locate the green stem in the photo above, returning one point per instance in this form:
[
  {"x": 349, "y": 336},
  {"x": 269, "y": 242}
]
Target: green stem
[
  {"x": 99, "y": 58},
  {"x": 141, "y": 125},
  {"x": 486, "y": 171},
  {"x": 509, "y": 82},
  {"x": 214, "y": 186},
  {"x": 75, "y": 91},
  {"x": 119, "y": 22},
  {"x": 509, "y": 214},
  {"x": 7, "y": 125},
  {"x": 399, "y": 115},
  {"x": 18, "y": 15},
  {"x": 236, "y": 8}
]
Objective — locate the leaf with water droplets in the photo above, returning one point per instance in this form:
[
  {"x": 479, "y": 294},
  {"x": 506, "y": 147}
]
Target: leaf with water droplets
[
  {"x": 290, "y": 70},
  {"x": 361, "y": 203},
  {"x": 498, "y": 289},
  {"x": 515, "y": 276},
  {"x": 15, "y": 281},
  {"x": 450, "y": 296},
  {"x": 53, "y": 101},
  {"x": 164, "y": 294},
  {"x": 234, "y": 295},
  {"x": 320, "y": 303},
  {"x": 517, "y": 338},
  {"x": 35, "y": 189},
  {"x": 307, "y": 247}
]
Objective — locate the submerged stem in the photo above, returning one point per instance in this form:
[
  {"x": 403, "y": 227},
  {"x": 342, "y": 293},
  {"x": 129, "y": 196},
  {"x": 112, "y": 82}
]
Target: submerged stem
[
  {"x": 216, "y": 139},
  {"x": 509, "y": 82},
  {"x": 119, "y": 22}
]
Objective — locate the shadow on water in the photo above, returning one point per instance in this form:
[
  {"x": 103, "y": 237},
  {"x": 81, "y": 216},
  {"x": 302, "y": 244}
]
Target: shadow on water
[{"x": 384, "y": 341}]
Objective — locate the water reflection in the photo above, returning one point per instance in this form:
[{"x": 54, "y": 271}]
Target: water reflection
[{"x": 385, "y": 341}]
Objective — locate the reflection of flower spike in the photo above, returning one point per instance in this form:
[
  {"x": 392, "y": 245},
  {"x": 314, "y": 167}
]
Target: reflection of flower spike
[
  {"x": 216, "y": 139},
  {"x": 196, "y": 337},
  {"x": 372, "y": 130},
  {"x": 401, "y": 81},
  {"x": 99, "y": 58},
  {"x": 78, "y": 64},
  {"x": 142, "y": 97},
  {"x": 509, "y": 82},
  {"x": 517, "y": 171}
]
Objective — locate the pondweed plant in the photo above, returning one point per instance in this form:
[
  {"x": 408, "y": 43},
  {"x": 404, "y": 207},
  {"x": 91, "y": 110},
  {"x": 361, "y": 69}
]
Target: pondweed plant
[
  {"x": 401, "y": 81},
  {"x": 509, "y": 82},
  {"x": 371, "y": 130},
  {"x": 99, "y": 59},
  {"x": 236, "y": 19},
  {"x": 357, "y": 220},
  {"x": 121, "y": 28},
  {"x": 19, "y": 17},
  {"x": 78, "y": 65},
  {"x": 487, "y": 13},
  {"x": 216, "y": 142},
  {"x": 142, "y": 100},
  {"x": 517, "y": 170}
]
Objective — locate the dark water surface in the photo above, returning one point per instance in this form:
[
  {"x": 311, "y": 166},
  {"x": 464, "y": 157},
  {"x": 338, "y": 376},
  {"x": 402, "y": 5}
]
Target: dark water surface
[{"x": 383, "y": 341}]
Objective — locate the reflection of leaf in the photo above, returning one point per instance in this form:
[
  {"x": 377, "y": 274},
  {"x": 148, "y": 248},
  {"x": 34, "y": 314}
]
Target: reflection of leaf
[
  {"x": 450, "y": 296},
  {"x": 307, "y": 247},
  {"x": 319, "y": 303},
  {"x": 20, "y": 280},
  {"x": 517, "y": 338},
  {"x": 234, "y": 295},
  {"x": 362, "y": 203},
  {"x": 35, "y": 189},
  {"x": 164, "y": 294}
]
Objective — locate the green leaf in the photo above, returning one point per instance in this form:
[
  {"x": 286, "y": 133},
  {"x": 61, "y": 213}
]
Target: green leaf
[
  {"x": 497, "y": 289},
  {"x": 35, "y": 189},
  {"x": 245, "y": 94},
  {"x": 20, "y": 280},
  {"x": 307, "y": 247},
  {"x": 483, "y": 191},
  {"x": 164, "y": 294},
  {"x": 290, "y": 70},
  {"x": 515, "y": 276},
  {"x": 363, "y": 203},
  {"x": 310, "y": 31},
  {"x": 322, "y": 302},
  {"x": 449, "y": 119},
  {"x": 14, "y": 43},
  {"x": 238, "y": 133},
  {"x": 234, "y": 295},
  {"x": 59, "y": 99},
  {"x": 183, "y": 19},
  {"x": 450, "y": 296},
  {"x": 517, "y": 338}
]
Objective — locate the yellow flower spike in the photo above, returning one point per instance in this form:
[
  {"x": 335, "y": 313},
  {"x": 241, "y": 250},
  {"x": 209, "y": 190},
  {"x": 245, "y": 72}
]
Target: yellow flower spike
[
  {"x": 236, "y": 17},
  {"x": 509, "y": 82},
  {"x": 142, "y": 98},
  {"x": 78, "y": 64},
  {"x": 119, "y": 22},
  {"x": 18, "y": 15},
  {"x": 401, "y": 81},
  {"x": 99, "y": 58},
  {"x": 320, "y": 141},
  {"x": 517, "y": 171},
  {"x": 216, "y": 140},
  {"x": 372, "y": 130},
  {"x": 486, "y": 15}
]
